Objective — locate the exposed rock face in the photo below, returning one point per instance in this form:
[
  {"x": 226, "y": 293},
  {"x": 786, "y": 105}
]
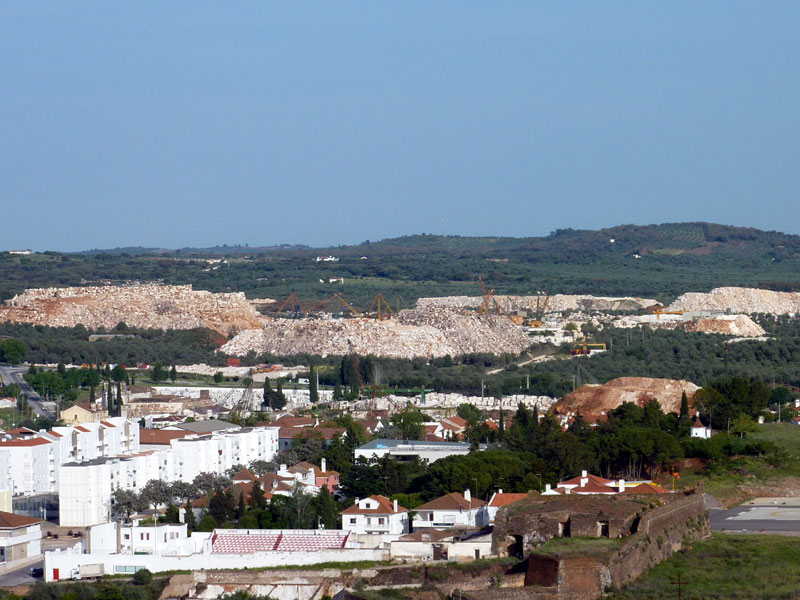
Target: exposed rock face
[
  {"x": 418, "y": 332},
  {"x": 556, "y": 303},
  {"x": 739, "y": 325},
  {"x": 740, "y": 300},
  {"x": 157, "y": 306},
  {"x": 595, "y": 401}
]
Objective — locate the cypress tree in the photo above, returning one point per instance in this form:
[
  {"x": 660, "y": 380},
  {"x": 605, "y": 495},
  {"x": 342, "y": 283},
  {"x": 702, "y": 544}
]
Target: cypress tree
[
  {"x": 684, "y": 414},
  {"x": 313, "y": 393},
  {"x": 188, "y": 517}
]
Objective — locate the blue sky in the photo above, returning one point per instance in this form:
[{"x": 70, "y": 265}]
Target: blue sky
[{"x": 197, "y": 123}]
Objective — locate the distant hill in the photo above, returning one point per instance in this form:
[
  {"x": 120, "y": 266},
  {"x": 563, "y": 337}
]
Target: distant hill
[{"x": 656, "y": 261}]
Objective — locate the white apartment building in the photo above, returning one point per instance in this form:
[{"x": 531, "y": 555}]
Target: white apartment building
[
  {"x": 31, "y": 462},
  {"x": 375, "y": 515},
  {"x": 87, "y": 487}
]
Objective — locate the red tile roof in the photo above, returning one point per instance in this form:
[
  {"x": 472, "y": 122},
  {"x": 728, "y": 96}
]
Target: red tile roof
[
  {"x": 452, "y": 501},
  {"x": 87, "y": 406},
  {"x": 24, "y": 442},
  {"x": 593, "y": 488},
  {"x": 12, "y": 521},
  {"x": 107, "y": 424},
  {"x": 161, "y": 437},
  {"x": 245, "y": 475},
  {"x": 82, "y": 429},
  {"x": 646, "y": 488},
  {"x": 592, "y": 479},
  {"x": 385, "y": 507},
  {"x": 506, "y": 499},
  {"x": 54, "y": 433}
]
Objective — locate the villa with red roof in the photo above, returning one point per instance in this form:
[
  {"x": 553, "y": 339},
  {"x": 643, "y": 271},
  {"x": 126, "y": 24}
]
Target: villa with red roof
[
  {"x": 450, "y": 510},
  {"x": 375, "y": 515}
]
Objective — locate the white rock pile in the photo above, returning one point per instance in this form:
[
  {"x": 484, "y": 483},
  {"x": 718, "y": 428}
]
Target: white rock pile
[{"x": 740, "y": 300}]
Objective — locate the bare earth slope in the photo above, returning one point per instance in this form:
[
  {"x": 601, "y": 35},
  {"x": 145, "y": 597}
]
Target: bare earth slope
[
  {"x": 740, "y": 300},
  {"x": 595, "y": 401},
  {"x": 157, "y": 306}
]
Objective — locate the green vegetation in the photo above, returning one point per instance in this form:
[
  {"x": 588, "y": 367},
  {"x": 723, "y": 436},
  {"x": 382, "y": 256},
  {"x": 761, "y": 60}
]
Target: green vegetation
[
  {"x": 725, "y": 567},
  {"x": 558, "y": 547},
  {"x": 676, "y": 257}
]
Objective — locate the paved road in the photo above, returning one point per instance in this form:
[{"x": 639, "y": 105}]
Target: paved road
[
  {"x": 774, "y": 515},
  {"x": 20, "y": 576},
  {"x": 14, "y": 375}
]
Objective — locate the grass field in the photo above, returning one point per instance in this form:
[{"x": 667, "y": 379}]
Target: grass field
[
  {"x": 726, "y": 566},
  {"x": 740, "y": 478}
]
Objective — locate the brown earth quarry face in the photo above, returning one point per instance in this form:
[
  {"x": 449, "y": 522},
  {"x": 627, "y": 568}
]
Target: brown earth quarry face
[{"x": 595, "y": 401}]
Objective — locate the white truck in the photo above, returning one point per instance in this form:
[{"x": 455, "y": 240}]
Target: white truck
[{"x": 92, "y": 571}]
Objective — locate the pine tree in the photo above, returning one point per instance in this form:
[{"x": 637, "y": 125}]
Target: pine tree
[
  {"x": 313, "y": 393},
  {"x": 173, "y": 374},
  {"x": 326, "y": 509},
  {"x": 337, "y": 391}
]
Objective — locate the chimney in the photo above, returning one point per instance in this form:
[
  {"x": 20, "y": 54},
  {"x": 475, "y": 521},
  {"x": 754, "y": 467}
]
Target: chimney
[
  {"x": 584, "y": 480},
  {"x": 500, "y": 491},
  {"x": 584, "y": 474},
  {"x": 467, "y": 496},
  {"x": 323, "y": 465},
  {"x": 395, "y": 506},
  {"x": 621, "y": 485},
  {"x": 547, "y": 487},
  {"x": 283, "y": 467}
]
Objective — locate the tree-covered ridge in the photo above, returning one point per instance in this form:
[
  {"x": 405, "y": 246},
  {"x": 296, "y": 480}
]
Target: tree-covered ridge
[{"x": 675, "y": 258}]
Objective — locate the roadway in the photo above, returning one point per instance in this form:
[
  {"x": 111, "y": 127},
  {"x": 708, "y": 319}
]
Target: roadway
[
  {"x": 14, "y": 375},
  {"x": 762, "y": 515}
]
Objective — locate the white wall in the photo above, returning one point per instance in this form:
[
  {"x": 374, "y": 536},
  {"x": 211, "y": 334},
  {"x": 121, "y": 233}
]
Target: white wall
[{"x": 115, "y": 563}]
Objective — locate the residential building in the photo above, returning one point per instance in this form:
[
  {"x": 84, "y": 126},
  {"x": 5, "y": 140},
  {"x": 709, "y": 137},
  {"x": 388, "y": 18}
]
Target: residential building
[
  {"x": 450, "y": 510},
  {"x": 375, "y": 515},
  {"x": 84, "y": 412},
  {"x": 426, "y": 451},
  {"x": 498, "y": 501},
  {"x": 698, "y": 430},
  {"x": 20, "y": 540}
]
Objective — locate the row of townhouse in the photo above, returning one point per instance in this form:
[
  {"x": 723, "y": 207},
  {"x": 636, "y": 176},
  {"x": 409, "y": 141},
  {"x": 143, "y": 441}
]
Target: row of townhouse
[
  {"x": 30, "y": 460},
  {"x": 87, "y": 487}
]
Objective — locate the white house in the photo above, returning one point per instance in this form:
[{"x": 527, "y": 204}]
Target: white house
[
  {"x": 698, "y": 430},
  {"x": 498, "y": 501},
  {"x": 449, "y": 510},
  {"x": 376, "y": 515}
]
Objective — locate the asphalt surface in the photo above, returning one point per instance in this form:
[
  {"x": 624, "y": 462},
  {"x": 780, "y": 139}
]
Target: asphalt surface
[
  {"x": 14, "y": 375},
  {"x": 773, "y": 515},
  {"x": 21, "y": 576}
]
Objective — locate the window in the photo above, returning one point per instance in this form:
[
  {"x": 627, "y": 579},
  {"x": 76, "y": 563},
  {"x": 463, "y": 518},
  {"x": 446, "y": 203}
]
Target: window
[
  {"x": 381, "y": 521},
  {"x": 127, "y": 536},
  {"x": 352, "y": 520}
]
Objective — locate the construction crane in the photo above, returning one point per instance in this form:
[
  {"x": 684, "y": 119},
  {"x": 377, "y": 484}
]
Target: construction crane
[
  {"x": 338, "y": 297},
  {"x": 660, "y": 312},
  {"x": 379, "y": 304},
  {"x": 542, "y": 302},
  {"x": 294, "y": 304},
  {"x": 487, "y": 298}
]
